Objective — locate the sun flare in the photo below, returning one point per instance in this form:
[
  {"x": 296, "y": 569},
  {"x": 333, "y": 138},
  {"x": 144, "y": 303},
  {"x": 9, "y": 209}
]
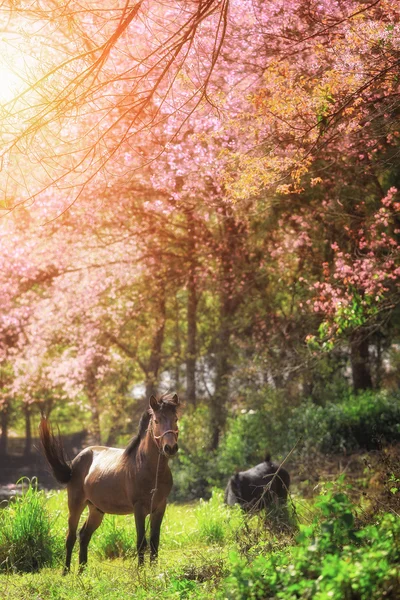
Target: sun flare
[
  {"x": 10, "y": 83},
  {"x": 13, "y": 71}
]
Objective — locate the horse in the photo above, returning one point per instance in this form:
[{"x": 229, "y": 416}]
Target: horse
[
  {"x": 116, "y": 481},
  {"x": 264, "y": 486}
]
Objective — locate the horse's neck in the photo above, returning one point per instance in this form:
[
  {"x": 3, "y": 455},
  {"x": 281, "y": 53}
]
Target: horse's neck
[{"x": 150, "y": 457}]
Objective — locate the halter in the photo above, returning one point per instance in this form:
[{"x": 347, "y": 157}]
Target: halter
[{"x": 158, "y": 437}]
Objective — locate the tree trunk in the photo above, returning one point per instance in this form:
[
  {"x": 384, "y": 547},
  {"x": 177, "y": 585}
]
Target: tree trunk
[
  {"x": 191, "y": 348},
  {"x": 191, "y": 343},
  {"x": 232, "y": 260},
  {"x": 153, "y": 367},
  {"x": 178, "y": 353},
  {"x": 221, "y": 393},
  {"x": 92, "y": 394},
  {"x": 232, "y": 257},
  {"x": 28, "y": 431},
  {"x": 360, "y": 361},
  {"x": 4, "y": 428}
]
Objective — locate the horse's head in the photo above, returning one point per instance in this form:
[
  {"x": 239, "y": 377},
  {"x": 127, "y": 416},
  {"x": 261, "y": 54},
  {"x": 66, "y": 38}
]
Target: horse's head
[{"x": 164, "y": 423}]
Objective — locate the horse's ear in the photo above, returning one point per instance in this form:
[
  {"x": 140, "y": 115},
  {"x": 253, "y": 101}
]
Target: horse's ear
[
  {"x": 153, "y": 402},
  {"x": 175, "y": 399}
]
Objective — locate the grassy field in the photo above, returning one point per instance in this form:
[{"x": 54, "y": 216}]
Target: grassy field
[
  {"x": 196, "y": 540},
  {"x": 207, "y": 550}
]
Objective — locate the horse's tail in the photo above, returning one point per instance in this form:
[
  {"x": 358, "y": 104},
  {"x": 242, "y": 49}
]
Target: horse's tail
[{"x": 54, "y": 452}]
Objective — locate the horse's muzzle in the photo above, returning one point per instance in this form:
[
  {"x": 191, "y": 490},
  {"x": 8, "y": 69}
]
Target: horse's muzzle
[{"x": 170, "y": 450}]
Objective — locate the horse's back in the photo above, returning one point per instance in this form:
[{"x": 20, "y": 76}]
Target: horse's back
[
  {"x": 93, "y": 456},
  {"x": 248, "y": 487},
  {"x": 266, "y": 473}
]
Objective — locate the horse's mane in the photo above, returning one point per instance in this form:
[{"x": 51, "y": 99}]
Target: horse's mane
[{"x": 135, "y": 441}]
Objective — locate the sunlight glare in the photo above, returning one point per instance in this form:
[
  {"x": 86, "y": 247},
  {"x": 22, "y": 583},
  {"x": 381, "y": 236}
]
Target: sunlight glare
[{"x": 12, "y": 71}]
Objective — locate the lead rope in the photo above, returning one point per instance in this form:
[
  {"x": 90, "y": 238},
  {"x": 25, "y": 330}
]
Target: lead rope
[
  {"x": 158, "y": 437},
  {"x": 154, "y": 490}
]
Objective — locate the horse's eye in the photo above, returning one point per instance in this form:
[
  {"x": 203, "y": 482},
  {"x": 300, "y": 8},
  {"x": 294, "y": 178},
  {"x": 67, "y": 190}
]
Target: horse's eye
[{"x": 155, "y": 421}]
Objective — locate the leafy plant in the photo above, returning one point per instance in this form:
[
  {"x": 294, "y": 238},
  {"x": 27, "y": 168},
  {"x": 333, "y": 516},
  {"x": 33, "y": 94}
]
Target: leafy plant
[
  {"x": 330, "y": 560},
  {"x": 26, "y": 539},
  {"x": 115, "y": 541},
  {"x": 360, "y": 421}
]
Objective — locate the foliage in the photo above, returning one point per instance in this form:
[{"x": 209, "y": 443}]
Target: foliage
[
  {"x": 268, "y": 220},
  {"x": 27, "y": 541},
  {"x": 216, "y": 521},
  {"x": 362, "y": 421},
  {"x": 194, "y": 463},
  {"x": 253, "y": 432},
  {"x": 196, "y": 470},
  {"x": 330, "y": 557},
  {"x": 330, "y": 560},
  {"x": 115, "y": 541}
]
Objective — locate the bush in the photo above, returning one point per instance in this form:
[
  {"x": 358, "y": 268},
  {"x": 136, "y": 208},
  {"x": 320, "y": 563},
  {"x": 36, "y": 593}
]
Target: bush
[
  {"x": 248, "y": 435},
  {"x": 194, "y": 466},
  {"x": 362, "y": 421},
  {"x": 246, "y": 440},
  {"x": 26, "y": 540},
  {"x": 354, "y": 422},
  {"x": 331, "y": 560},
  {"x": 114, "y": 540}
]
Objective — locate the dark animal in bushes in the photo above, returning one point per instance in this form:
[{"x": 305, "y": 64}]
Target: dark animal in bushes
[
  {"x": 264, "y": 486},
  {"x": 135, "y": 480}
]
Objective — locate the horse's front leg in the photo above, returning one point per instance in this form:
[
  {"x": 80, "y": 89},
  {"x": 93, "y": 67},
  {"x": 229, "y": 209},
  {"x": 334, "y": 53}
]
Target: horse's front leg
[
  {"x": 141, "y": 542},
  {"x": 155, "y": 527}
]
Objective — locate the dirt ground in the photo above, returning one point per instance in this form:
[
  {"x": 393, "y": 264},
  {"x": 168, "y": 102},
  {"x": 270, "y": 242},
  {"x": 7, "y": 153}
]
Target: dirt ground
[
  {"x": 372, "y": 476},
  {"x": 15, "y": 465}
]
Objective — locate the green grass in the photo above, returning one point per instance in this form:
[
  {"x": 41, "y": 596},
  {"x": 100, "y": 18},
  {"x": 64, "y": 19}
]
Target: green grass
[
  {"x": 208, "y": 550},
  {"x": 189, "y": 561},
  {"x": 27, "y": 542}
]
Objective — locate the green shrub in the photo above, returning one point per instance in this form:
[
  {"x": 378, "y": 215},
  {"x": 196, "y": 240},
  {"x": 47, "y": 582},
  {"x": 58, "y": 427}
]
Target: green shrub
[
  {"x": 194, "y": 466},
  {"x": 115, "y": 540},
  {"x": 26, "y": 539},
  {"x": 331, "y": 560},
  {"x": 362, "y": 421},
  {"x": 182, "y": 589},
  {"x": 249, "y": 435}
]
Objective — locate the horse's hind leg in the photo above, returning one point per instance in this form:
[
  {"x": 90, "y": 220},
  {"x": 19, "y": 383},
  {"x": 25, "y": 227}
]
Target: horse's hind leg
[
  {"x": 75, "y": 511},
  {"x": 89, "y": 527}
]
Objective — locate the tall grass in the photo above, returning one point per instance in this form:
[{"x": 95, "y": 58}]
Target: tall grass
[
  {"x": 216, "y": 521},
  {"x": 115, "y": 540},
  {"x": 26, "y": 540}
]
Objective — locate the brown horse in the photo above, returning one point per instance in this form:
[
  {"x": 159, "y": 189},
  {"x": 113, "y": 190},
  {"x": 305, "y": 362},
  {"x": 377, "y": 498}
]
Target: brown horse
[{"x": 109, "y": 480}]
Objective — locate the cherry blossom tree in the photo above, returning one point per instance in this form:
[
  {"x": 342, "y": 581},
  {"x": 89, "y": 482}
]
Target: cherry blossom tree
[{"x": 205, "y": 180}]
